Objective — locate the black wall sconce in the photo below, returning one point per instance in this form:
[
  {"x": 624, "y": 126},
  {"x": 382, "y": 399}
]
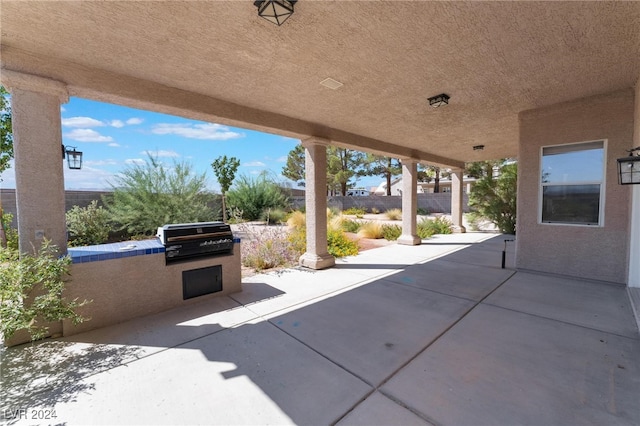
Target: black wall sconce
[
  {"x": 74, "y": 158},
  {"x": 276, "y": 11},
  {"x": 439, "y": 100},
  {"x": 629, "y": 168}
]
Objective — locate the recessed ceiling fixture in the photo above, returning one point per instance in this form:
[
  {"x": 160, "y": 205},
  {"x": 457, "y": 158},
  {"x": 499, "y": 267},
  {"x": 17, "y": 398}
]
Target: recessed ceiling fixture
[
  {"x": 478, "y": 147},
  {"x": 276, "y": 11},
  {"x": 331, "y": 83},
  {"x": 439, "y": 100}
]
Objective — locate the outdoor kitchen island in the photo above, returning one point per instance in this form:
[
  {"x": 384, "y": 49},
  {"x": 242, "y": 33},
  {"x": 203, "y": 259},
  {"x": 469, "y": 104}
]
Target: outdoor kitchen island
[{"x": 137, "y": 278}]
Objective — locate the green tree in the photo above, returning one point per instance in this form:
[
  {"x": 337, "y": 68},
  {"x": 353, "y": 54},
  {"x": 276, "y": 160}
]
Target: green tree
[
  {"x": 6, "y": 148},
  {"x": 294, "y": 169},
  {"x": 225, "y": 170},
  {"x": 495, "y": 197},
  {"x": 378, "y": 165},
  {"x": 254, "y": 196},
  {"x": 149, "y": 195},
  {"x": 435, "y": 173}
]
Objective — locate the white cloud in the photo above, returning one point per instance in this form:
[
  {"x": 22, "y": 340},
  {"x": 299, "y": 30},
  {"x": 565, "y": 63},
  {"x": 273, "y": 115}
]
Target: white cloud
[
  {"x": 255, "y": 164},
  {"x": 109, "y": 162},
  {"x": 134, "y": 161},
  {"x": 196, "y": 131},
  {"x": 116, "y": 123},
  {"x": 134, "y": 120},
  {"x": 62, "y": 109},
  {"x": 161, "y": 153},
  {"x": 282, "y": 159},
  {"x": 255, "y": 172},
  {"x": 81, "y": 122},
  {"x": 87, "y": 135},
  {"x": 114, "y": 144}
]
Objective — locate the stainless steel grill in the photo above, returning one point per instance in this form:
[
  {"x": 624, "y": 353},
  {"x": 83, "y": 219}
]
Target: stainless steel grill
[{"x": 188, "y": 240}]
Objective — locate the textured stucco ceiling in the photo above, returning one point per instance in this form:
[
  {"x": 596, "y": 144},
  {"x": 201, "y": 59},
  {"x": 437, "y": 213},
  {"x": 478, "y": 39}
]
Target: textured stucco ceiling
[{"x": 218, "y": 61}]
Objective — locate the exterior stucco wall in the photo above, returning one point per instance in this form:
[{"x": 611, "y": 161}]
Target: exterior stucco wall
[
  {"x": 599, "y": 253},
  {"x": 121, "y": 289}
]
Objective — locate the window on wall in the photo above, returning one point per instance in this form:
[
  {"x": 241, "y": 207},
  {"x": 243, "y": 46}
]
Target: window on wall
[{"x": 572, "y": 183}]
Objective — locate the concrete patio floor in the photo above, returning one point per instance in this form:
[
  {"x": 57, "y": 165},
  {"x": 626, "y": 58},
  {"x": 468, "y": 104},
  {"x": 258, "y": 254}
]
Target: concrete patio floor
[{"x": 432, "y": 334}]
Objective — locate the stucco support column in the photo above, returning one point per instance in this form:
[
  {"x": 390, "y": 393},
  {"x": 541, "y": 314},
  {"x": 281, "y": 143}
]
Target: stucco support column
[
  {"x": 457, "y": 179},
  {"x": 634, "y": 243},
  {"x": 316, "y": 256},
  {"x": 37, "y": 141},
  {"x": 409, "y": 235}
]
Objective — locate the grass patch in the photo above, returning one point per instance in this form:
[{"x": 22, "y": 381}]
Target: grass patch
[
  {"x": 372, "y": 230},
  {"x": 391, "y": 232},
  {"x": 429, "y": 227}
]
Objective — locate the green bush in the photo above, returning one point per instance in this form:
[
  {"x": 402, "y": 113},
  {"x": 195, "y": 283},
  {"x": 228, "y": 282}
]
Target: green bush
[
  {"x": 253, "y": 196},
  {"x": 349, "y": 225},
  {"x": 339, "y": 245},
  {"x": 88, "y": 225},
  {"x": 355, "y": 211},
  {"x": 495, "y": 197},
  {"x": 31, "y": 291},
  {"x": 422, "y": 212},
  {"x": 10, "y": 233},
  {"x": 391, "y": 232},
  {"x": 146, "y": 196},
  {"x": 429, "y": 227},
  {"x": 274, "y": 216}
]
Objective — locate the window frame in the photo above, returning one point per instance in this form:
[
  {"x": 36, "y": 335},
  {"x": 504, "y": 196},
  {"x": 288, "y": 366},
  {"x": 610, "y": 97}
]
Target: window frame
[{"x": 601, "y": 183}]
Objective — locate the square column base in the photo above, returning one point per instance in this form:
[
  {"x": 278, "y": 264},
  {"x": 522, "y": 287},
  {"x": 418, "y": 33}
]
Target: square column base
[
  {"x": 409, "y": 240},
  {"x": 314, "y": 261},
  {"x": 458, "y": 229}
]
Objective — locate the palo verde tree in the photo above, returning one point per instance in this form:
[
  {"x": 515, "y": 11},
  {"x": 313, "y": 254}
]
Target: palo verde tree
[
  {"x": 225, "y": 169},
  {"x": 6, "y": 148}
]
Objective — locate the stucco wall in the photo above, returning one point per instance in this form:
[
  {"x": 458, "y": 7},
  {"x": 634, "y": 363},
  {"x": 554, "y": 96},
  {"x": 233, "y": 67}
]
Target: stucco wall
[
  {"x": 592, "y": 252},
  {"x": 121, "y": 289}
]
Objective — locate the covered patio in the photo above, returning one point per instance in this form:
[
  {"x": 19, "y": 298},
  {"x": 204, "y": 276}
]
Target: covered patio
[{"x": 434, "y": 334}]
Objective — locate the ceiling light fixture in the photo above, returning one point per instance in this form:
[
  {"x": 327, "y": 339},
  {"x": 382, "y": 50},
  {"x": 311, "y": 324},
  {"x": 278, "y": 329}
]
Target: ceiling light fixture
[
  {"x": 276, "y": 11},
  {"x": 439, "y": 100}
]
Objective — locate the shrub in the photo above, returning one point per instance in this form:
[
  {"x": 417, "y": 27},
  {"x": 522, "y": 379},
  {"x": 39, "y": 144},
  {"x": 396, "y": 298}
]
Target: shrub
[
  {"x": 348, "y": 225},
  {"x": 149, "y": 195},
  {"x": 255, "y": 195},
  {"x": 339, "y": 245},
  {"x": 274, "y": 216},
  {"x": 391, "y": 232},
  {"x": 375, "y": 210},
  {"x": 88, "y": 225},
  {"x": 10, "y": 233},
  {"x": 31, "y": 288},
  {"x": 355, "y": 211},
  {"x": 393, "y": 214},
  {"x": 422, "y": 212},
  {"x": 267, "y": 248},
  {"x": 429, "y": 227},
  {"x": 297, "y": 219},
  {"x": 495, "y": 198},
  {"x": 372, "y": 230}
]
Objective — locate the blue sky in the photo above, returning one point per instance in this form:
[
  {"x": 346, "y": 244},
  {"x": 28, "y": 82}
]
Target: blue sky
[{"x": 113, "y": 137}]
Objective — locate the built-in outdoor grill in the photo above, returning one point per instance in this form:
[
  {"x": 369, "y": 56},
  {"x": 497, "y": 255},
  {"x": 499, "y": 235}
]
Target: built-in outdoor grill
[{"x": 188, "y": 240}]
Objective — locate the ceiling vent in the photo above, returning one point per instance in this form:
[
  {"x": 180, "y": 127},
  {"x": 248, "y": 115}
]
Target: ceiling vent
[{"x": 331, "y": 83}]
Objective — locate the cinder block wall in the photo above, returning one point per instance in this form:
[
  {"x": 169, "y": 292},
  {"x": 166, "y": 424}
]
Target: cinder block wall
[
  {"x": 592, "y": 252},
  {"x": 433, "y": 203}
]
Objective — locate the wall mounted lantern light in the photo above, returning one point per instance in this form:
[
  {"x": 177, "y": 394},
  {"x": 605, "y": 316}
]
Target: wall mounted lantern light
[
  {"x": 74, "y": 158},
  {"x": 629, "y": 168},
  {"x": 276, "y": 11},
  {"x": 439, "y": 100}
]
